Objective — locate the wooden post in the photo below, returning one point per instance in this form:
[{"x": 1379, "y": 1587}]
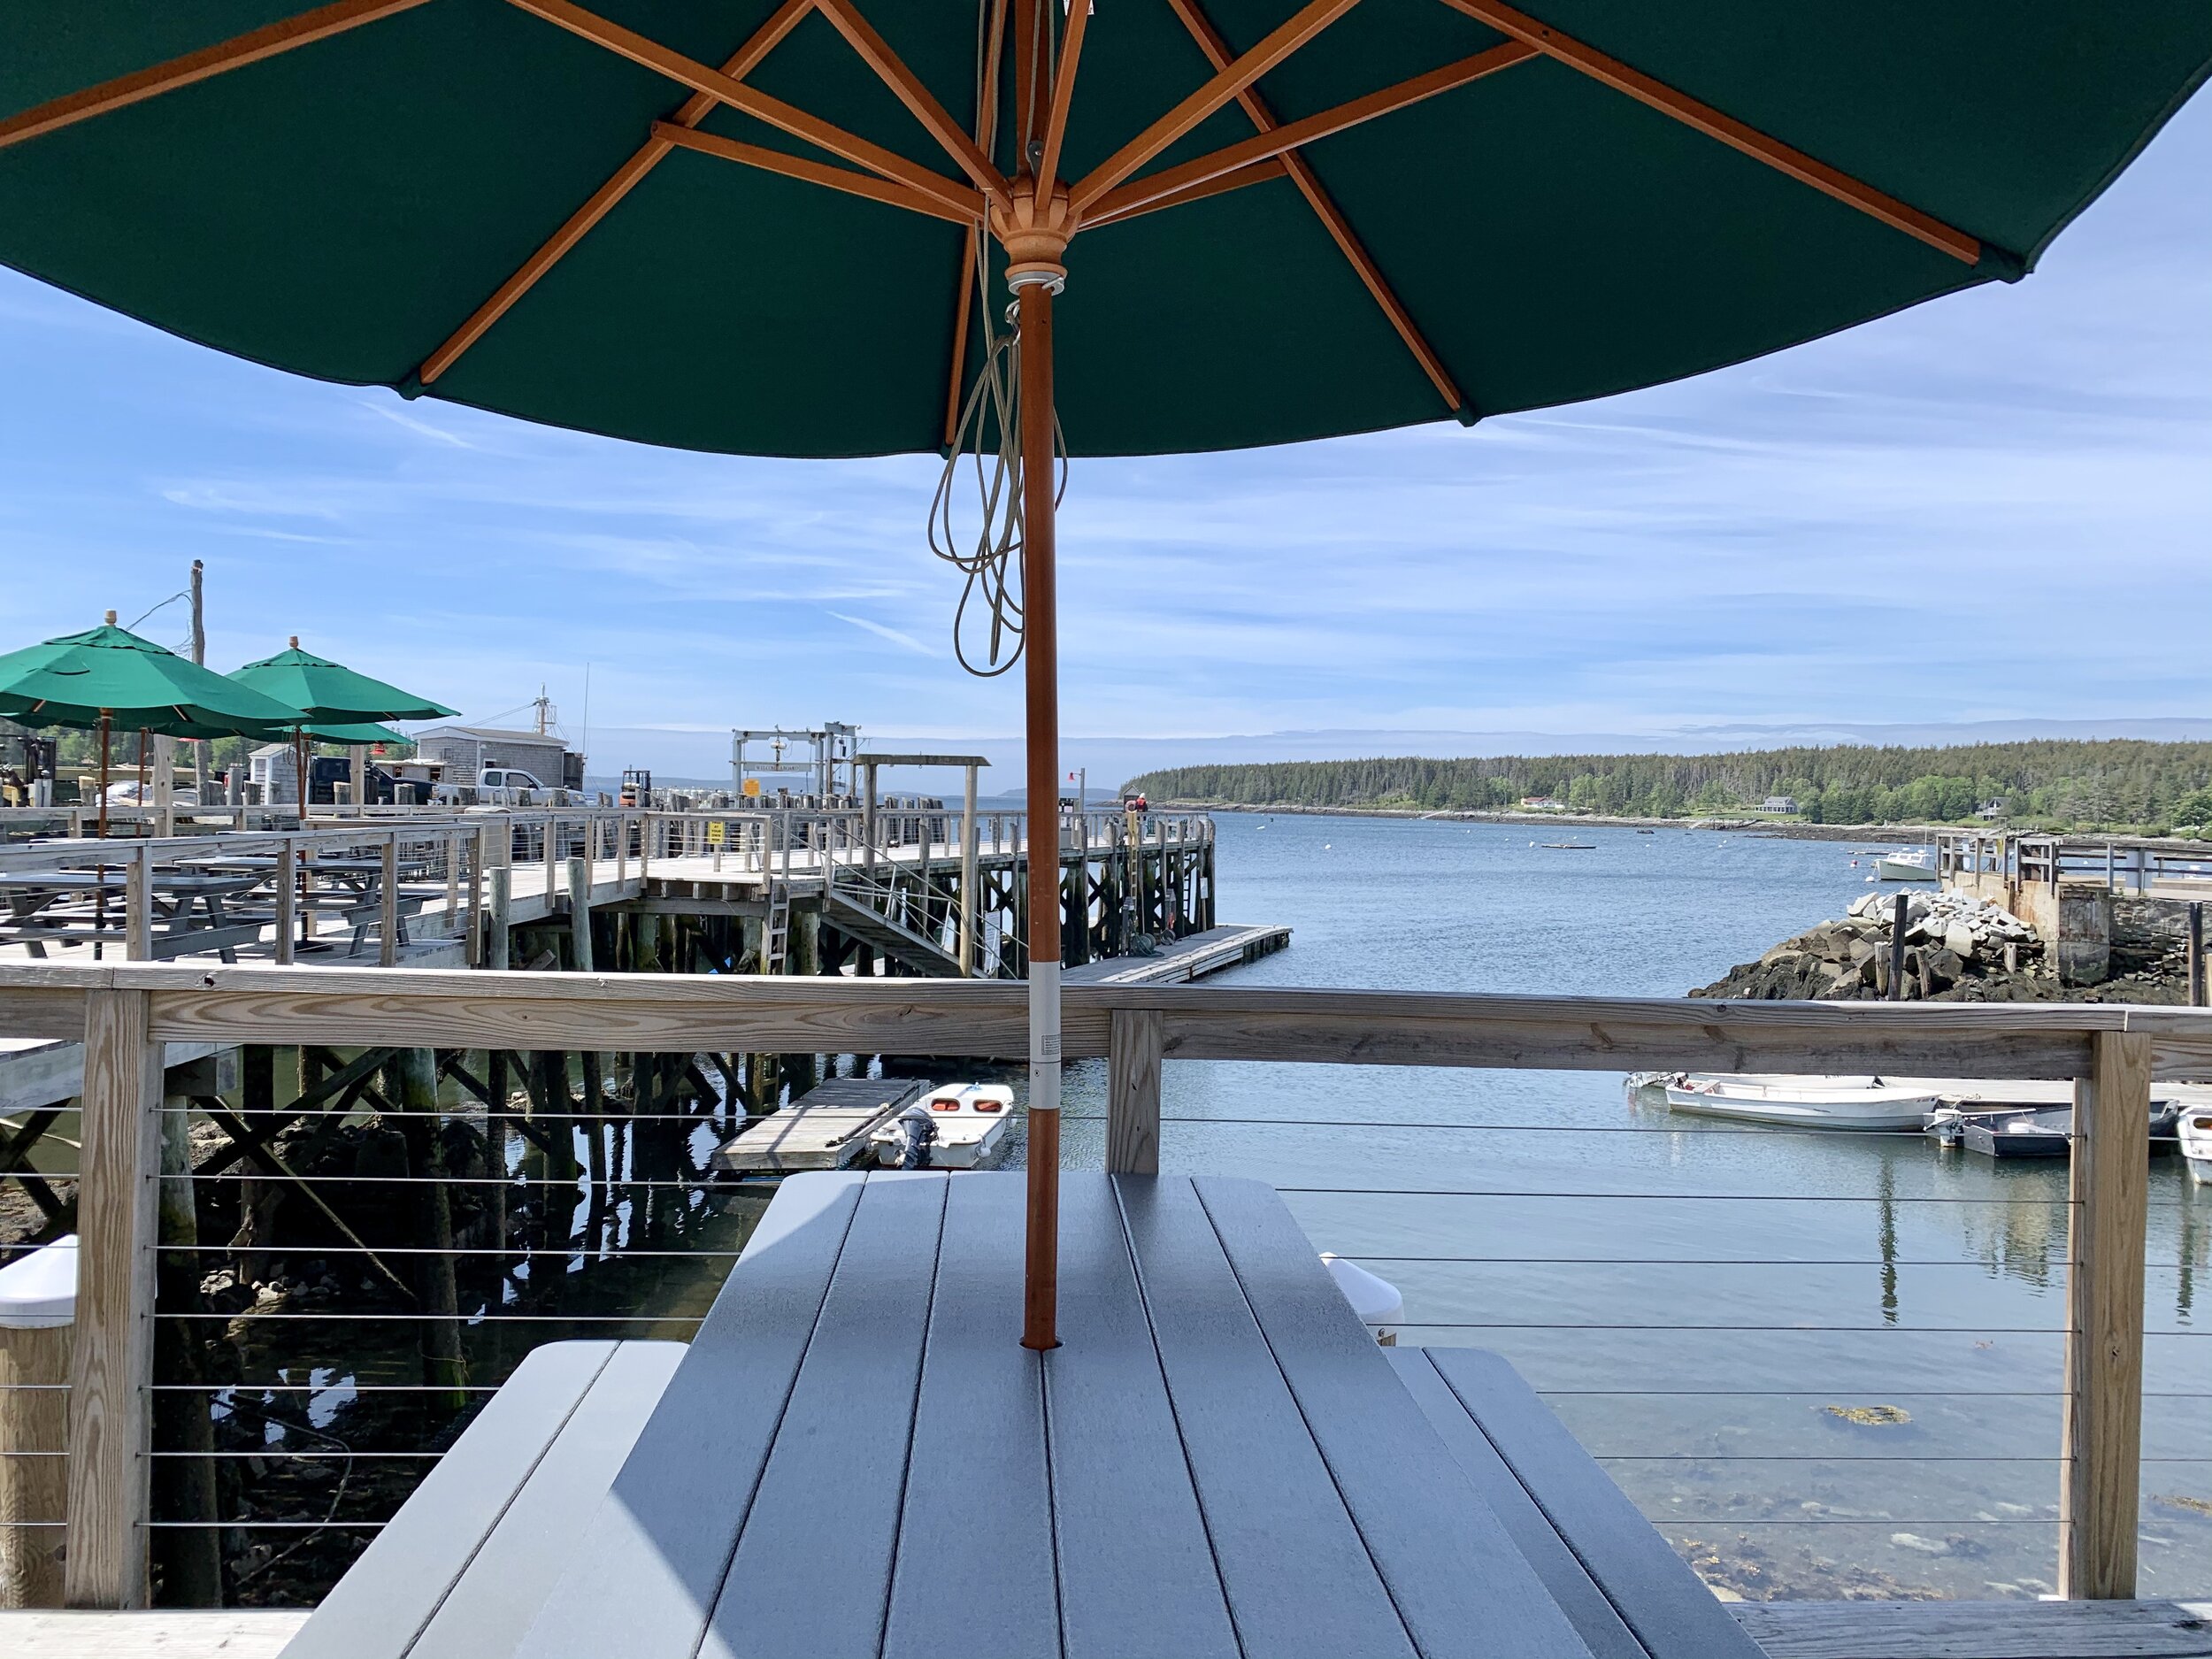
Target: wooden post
[
  {"x": 2101, "y": 1449},
  {"x": 2196, "y": 953},
  {"x": 190, "y": 1556},
  {"x": 444, "y": 1367},
  {"x": 33, "y": 1489},
  {"x": 164, "y": 781},
  {"x": 967, "y": 873},
  {"x": 476, "y": 847},
  {"x": 499, "y": 940},
  {"x": 138, "y": 906},
  {"x": 387, "y": 893},
  {"x": 1897, "y": 949},
  {"x": 287, "y": 882},
  {"x": 111, "y": 1366},
  {"x": 1133, "y": 1091},
  {"x": 579, "y": 912},
  {"x": 1041, "y": 685}
]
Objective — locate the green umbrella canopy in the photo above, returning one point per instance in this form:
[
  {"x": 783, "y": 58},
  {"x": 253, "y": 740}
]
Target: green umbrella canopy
[
  {"x": 470, "y": 198},
  {"x": 75, "y": 679},
  {"x": 368, "y": 731},
  {"x": 333, "y": 692}
]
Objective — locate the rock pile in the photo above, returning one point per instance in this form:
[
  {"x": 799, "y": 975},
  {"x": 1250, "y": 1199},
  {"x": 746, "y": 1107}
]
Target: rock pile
[{"x": 1957, "y": 948}]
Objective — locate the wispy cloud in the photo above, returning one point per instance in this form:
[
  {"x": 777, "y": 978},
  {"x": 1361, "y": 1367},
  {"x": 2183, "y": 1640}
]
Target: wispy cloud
[{"x": 882, "y": 633}]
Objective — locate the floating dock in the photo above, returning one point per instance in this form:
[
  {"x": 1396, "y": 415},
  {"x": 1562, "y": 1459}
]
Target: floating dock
[
  {"x": 1179, "y": 960},
  {"x": 825, "y": 1129}
]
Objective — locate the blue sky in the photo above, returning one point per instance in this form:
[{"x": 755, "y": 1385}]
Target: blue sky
[{"x": 1995, "y": 507}]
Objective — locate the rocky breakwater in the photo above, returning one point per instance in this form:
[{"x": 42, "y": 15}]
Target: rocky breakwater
[{"x": 1957, "y": 949}]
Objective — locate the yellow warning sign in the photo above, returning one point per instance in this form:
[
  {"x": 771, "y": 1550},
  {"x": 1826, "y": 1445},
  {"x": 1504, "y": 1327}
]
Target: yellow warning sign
[
  {"x": 752, "y": 786},
  {"x": 714, "y": 834}
]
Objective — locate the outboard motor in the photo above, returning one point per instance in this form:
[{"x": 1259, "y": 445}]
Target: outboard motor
[{"x": 917, "y": 1134}]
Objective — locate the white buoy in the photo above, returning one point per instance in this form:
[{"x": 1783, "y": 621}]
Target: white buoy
[{"x": 1375, "y": 1299}]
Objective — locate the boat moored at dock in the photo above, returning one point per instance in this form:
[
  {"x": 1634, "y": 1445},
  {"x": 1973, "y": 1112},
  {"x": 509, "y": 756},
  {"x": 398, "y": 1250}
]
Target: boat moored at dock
[
  {"x": 972, "y": 1121},
  {"x": 1819, "y": 1103}
]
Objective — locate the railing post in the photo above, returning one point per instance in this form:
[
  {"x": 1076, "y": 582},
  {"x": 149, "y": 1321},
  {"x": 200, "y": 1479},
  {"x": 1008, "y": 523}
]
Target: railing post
[
  {"x": 138, "y": 906},
  {"x": 288, "y": 893},
  {"x": 388, "y": 918},
  {"x": 579, "y": 912},
  {"x": 2102, "y": 1445},
  {"x": 478, "y": 845},
  {"x": 1133, "y": 1091},
  {"x": 498, "y": 940},
  {"x": 110, "y": 1363}
]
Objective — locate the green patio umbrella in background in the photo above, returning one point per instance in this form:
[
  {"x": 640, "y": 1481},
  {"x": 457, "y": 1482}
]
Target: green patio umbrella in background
[
  {"x": 788, "y": 228},
  {"x": 108, "y": 679},
  {"x": 334, "y": 695}
]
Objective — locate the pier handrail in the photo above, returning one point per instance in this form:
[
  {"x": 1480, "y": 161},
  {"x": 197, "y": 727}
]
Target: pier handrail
[{"x": 123, "y": 1013}]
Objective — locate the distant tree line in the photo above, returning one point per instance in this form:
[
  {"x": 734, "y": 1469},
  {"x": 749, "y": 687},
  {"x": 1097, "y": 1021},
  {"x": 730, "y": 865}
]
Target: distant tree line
[{"x": 2070, "y": 785}]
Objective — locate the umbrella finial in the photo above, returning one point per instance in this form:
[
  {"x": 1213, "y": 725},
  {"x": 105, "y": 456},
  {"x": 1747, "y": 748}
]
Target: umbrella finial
[
  {"x": 111, "y": 618},
  {"x": 295, "y": 641}
]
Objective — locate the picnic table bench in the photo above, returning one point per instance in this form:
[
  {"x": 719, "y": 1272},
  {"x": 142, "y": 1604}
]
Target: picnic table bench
[{"x": 854, "y": 1456}]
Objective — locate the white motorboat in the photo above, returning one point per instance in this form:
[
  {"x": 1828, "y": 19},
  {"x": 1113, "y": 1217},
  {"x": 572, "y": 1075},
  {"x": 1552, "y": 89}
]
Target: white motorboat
[
  {"x": 1907, "y": 864},
  {"x": 971, "y": 1121},
  {"x": 2195, "y": 1130},
  {"x": 1816, "y": 1102}
]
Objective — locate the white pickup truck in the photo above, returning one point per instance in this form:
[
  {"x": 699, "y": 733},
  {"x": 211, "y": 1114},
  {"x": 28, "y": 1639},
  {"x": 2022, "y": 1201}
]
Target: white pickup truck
[{"x": 499, "y": 786}]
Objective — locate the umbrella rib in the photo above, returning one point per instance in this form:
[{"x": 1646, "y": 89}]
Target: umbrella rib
[
  {"x": 964, "y": 297},
  {"x": 1657, "y": 95},
  {"x": 601, "y": 201},
  {"x": 1325, "y": 209},
  {"x": 1286, "y": 39},
  {"x": 1221, "y": 184},
  {"x": 688, "y": 72},
  {"x": 819, "y": 172},
  {"x": 876, "y": 52},
  {"x": 1309, "y": 128},
  {"x": 1063, "y": 93},
  {"x": 236, "y": 53}
]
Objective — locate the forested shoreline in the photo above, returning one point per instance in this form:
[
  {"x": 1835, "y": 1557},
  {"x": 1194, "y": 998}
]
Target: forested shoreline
[{"x": 2118, "y": 785}]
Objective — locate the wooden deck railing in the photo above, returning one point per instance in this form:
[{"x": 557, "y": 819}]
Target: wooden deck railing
[
  {"x": 123, "y": 1015},
  {"x": 2120, "y": 864}
]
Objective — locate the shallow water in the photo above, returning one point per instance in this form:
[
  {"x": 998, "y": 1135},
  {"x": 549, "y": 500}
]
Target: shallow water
[{"x": 1691, "y": 1295}]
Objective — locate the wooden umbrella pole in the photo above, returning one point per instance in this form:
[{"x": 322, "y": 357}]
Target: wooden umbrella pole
[{"x": 1041, "y": 1279}]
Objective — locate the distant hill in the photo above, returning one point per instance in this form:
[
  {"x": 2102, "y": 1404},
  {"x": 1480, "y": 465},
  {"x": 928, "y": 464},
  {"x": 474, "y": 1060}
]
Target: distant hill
[{"x": 2117, "y": 785}]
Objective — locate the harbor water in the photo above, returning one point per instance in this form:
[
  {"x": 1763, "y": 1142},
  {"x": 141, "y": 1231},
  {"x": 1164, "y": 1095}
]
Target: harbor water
[{"x": 1824, "y": 1363}]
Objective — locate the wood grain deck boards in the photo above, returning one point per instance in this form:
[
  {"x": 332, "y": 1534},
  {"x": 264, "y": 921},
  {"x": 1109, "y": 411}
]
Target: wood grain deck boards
[
  {"x": 812, "y": 1569},
  {"x": 1459, "y": 1584},
  {"x": 1979, "y": 1630},
  {"x": 515, "y": 1568},
  {"x": 1653, "y": 1588},
  {"x": 395, "y": 1590},
  {"x": 1579, "y": 1597},
  {"x": 1300, "y": 1582},
  {"x": 654, "y": 1554},
  {"x": 1129, "y": 1530},
  {"x": 975, "y": 1571}
]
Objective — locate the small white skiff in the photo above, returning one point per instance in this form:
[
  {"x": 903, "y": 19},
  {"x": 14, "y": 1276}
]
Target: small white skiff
[
  {"x": 2196, "y": 1142},
  {"x": 971, "y": 1119},
  {"x": 1819, "y": 1103}
]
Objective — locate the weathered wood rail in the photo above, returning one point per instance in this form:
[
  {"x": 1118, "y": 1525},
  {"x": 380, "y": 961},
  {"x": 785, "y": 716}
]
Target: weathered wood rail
[{"x": 123, "y": 1013}]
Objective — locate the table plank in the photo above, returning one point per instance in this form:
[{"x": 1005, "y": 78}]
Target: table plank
[
  {"x": 1300, "y": 1582},
  {"x": 1137, "y": 1573},
  {"x": 392, "y": 1592},
  {"x": 975, "y": 1573},
  {"x": 812, "y": 1571},
  {"x": 1579, "y": 1598},
  {"x": 654, "y": 1554},
  {"x": 514, "y": 1570},
  {"x": 1656, "y": 1593},
  {"x": 1462, "y": 1588}
]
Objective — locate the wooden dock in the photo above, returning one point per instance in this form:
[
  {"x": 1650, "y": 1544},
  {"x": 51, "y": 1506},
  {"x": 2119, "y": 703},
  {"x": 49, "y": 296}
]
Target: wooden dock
[
  {"x": 826, "y": 1128},
  {"x": 1182, "y": 960}
]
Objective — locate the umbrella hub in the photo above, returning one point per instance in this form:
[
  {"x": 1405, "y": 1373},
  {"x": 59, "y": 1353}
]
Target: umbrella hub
[{"x": 1034, "y": 234}]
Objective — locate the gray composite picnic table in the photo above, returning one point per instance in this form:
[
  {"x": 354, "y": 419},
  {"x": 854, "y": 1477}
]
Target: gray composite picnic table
[{"x": 854, "y": 1457}]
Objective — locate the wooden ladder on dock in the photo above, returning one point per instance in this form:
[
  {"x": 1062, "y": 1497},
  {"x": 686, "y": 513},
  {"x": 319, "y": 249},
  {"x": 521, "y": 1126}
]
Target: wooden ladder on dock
[{"x": 776, "y": 933}]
